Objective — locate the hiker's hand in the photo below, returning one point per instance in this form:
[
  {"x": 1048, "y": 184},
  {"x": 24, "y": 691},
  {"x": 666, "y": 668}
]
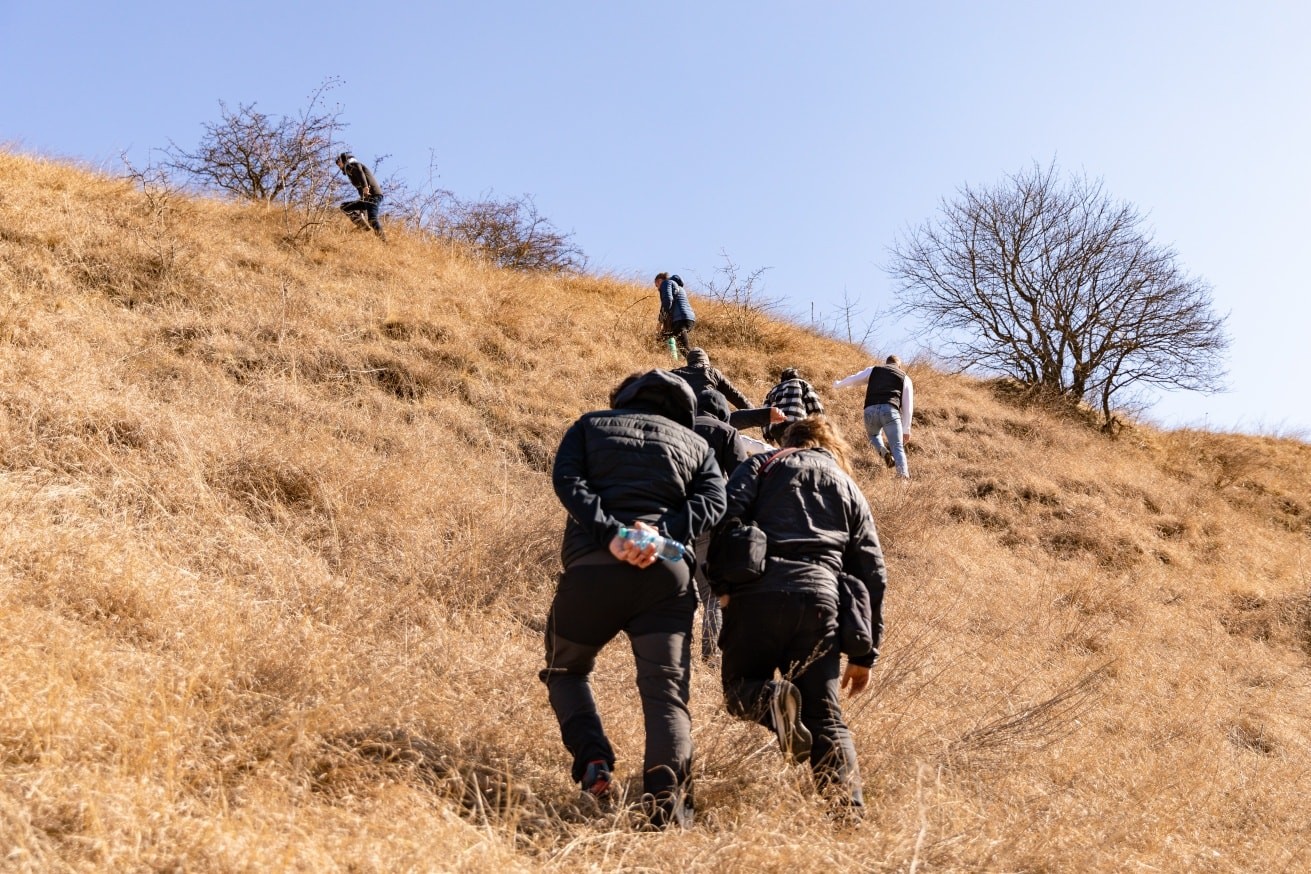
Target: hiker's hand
[
  {"x": 855, "y": 679},
  {"x": 723, "y": 600},
  {"x": 628, "y": 551},
  {"x": 776, "y": 416}
]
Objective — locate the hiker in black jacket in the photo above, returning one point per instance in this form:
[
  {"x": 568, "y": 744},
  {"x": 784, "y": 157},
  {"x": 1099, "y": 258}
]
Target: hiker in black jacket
[
  {"x": 699, "y": 374},
  {"x": 638, "y": 465},
  {"x": 363, "y": 212},
  {"x": 818, "y": 524}
]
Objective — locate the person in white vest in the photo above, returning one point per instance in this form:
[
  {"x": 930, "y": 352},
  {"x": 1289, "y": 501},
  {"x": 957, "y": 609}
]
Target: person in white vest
[{"x": 889, "y": 406}]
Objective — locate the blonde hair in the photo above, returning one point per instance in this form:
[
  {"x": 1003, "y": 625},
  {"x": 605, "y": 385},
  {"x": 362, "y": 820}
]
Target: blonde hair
[{"x": 817, "y": 432}]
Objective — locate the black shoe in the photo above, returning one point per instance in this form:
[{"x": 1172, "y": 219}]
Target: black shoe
[
  {"x": 785, "y": 708},
  {"x": 889, "y": 462}
]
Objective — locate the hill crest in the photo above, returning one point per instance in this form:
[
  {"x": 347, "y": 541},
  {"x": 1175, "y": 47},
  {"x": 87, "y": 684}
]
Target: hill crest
[{"x": 259, "y": 609}]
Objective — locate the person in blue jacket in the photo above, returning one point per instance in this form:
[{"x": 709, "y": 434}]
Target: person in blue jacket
[{"x": 676, "y": 316}]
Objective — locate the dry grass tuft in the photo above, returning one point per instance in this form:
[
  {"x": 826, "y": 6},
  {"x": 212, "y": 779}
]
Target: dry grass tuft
[{"x": 277, "y": 539}]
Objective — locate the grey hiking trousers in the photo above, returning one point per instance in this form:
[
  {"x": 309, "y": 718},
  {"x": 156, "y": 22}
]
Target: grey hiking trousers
[{"x": 597, "y": 598}]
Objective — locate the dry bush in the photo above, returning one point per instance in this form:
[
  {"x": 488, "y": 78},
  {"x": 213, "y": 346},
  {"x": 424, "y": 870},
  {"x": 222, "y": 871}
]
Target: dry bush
[{"x": 277, "y": 540}]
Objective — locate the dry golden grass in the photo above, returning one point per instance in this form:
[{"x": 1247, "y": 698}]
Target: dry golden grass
[{"x": 267, "y": 603}]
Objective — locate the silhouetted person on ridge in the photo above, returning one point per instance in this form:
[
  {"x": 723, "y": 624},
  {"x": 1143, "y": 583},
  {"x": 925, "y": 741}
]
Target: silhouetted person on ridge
[
  {"x": 363, "y": 212},
  {"x": 676, "y": 316},
  {"x": 889, "y": 406}
]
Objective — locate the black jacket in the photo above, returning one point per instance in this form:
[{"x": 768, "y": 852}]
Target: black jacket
[
  {"x": 754, "y": 418},
  {"x": 639, "y": 461},
  {"x": 713, "y": 426},
  {"x": 816, "y": 519},
  {"x": 362, "y": 178},
  {"x": 701, "y": 376}
]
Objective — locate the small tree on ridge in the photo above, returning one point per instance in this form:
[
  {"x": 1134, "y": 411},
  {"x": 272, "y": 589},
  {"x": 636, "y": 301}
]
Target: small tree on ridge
[{"x": 254, "y": 156}]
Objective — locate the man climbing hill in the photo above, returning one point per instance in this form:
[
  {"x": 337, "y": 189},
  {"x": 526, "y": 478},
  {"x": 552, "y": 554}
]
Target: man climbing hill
[{"x": 363, "y": 212}]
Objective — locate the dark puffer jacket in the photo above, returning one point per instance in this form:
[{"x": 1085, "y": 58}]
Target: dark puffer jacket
[
  {"x": 674, "y": 305},
  {"x": 817, "y": 521},
  {"x": 639, "y": 461}
]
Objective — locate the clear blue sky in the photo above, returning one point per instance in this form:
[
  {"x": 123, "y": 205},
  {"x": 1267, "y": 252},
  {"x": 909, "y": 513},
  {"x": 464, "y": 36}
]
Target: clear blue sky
[{"x": 800, "y": 137}]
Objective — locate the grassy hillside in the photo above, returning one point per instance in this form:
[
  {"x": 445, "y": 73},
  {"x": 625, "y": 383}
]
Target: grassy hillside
[{"x": 277, "y": 539}]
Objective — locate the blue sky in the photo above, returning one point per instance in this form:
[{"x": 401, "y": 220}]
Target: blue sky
[{"x": 799, "y": 137}]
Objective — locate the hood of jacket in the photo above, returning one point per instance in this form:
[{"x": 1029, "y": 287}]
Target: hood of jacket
[
  {"x": 676, "y": 278},
  {"x": 661, "y": 392},
  {"x": 713, "y": 403}
]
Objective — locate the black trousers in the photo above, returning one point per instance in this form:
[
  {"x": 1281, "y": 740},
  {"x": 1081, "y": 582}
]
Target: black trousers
[
  {"x": 796, "y": 635},
  {"x": 678, "y": 330},
  {"x": 653, "y": 606},
  {"x": 364, "y": 212}
]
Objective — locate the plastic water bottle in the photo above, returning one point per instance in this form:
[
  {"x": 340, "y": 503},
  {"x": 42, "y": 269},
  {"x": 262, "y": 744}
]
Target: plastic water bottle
[{"x": 667, "y": 549}]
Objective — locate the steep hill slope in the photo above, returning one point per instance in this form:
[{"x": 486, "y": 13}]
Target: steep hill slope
[{"x": 277, "y": 538}]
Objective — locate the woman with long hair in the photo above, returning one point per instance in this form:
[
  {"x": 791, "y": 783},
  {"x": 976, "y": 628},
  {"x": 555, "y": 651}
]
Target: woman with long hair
[{"x": 781, "y": 661}]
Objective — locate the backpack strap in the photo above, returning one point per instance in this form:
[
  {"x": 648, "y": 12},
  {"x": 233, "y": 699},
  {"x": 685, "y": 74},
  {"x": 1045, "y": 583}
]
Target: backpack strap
[{"x": 764, "y": 469}]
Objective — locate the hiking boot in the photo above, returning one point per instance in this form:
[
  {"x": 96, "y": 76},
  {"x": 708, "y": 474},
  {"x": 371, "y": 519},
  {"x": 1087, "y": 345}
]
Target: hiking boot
[
  {"x": 889, "y": 462},
  {"x": 785, "y": 708},
  {"x": 597, "y": 780}
]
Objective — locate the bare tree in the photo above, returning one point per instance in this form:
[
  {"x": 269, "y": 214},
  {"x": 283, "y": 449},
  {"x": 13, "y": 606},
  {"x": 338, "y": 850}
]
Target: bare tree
[
  {"x": 1052, "y": 282},
  {"x": 421, "y": 208},
  {"x": 845, "y": 321},
  {"x": 254, "y": 156},
  {"x": 731, "y": 287},
  {"x": 511, "y": 233}
]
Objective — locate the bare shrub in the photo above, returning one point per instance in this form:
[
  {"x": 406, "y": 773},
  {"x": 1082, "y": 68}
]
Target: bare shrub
[
  {"x": 166, "y": 208},
  {"x": 510, "y": 233},
  {"x": 747, "y": 312},
  {"x": 255, "y": 156}
]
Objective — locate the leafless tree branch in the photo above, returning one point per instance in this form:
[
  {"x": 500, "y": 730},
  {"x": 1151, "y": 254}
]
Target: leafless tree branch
[{"x": 1054, "y": 283}]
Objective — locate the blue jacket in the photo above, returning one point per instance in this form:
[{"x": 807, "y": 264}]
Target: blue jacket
[{"x": 673, "y": 303}]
